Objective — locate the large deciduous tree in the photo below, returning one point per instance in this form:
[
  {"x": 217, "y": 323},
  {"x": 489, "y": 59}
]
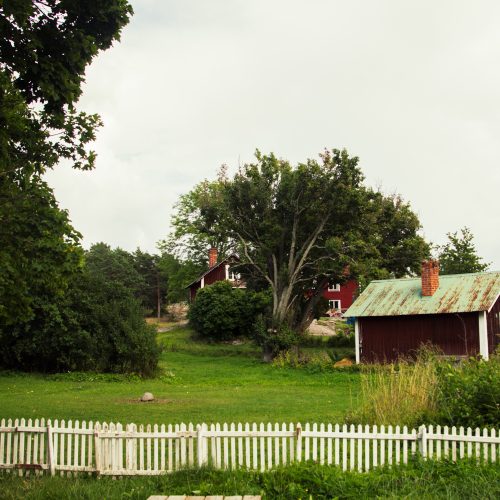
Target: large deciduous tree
[
  {"x": 459, "y": 254},
  {"x": 45, "y": 47},
  {"x": 298, "y": 227}
]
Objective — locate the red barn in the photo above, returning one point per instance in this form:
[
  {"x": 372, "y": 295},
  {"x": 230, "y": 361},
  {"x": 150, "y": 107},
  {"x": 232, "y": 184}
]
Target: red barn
[
  {"x": 217, "y": 271},
  {"x": 459, "y": 313}
]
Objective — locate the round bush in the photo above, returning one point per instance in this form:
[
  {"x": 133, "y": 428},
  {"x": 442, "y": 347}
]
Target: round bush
[{"x": 220, "y": 312}]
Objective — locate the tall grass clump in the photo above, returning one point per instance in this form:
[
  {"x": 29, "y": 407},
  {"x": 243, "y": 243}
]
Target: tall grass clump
[{"x": 402, "y": 393}]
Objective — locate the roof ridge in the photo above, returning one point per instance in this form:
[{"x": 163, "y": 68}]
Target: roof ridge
[{"x": 440, "y": 276}]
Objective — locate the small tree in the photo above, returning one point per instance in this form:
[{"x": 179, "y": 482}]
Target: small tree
[{"x": 459, "y": 255}]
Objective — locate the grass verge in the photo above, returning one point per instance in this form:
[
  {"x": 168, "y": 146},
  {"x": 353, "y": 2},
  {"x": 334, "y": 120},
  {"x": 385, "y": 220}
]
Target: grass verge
[{"x": 419, "y": 479}]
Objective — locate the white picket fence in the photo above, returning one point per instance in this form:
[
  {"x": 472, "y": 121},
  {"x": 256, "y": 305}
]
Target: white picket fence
[{"x": 38, "y": 446}]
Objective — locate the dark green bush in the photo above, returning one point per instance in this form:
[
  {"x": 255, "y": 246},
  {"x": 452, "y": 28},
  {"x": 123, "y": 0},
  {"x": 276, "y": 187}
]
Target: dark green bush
[
  {"x": 469, "y": 393},
  {"x": 274, "y": 340},
  {"x": 220, "y": 312},
  {"x": 96, "y": 325}
]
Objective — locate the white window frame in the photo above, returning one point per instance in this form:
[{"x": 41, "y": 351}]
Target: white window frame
[
  {"x": 331, "y": 304},
  {"x": 336, "y": 288}
]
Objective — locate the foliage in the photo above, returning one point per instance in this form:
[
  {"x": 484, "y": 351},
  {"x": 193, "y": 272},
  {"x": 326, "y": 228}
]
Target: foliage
[
  {"x": 220, "y": 312},
  {"x": 153, "y": 293},
  {"x": 180, "y": 273},
  {"x": 296, "y": 228},
  {"x": 459, "y": 255},
  {"x": 273, "y": 340},
  {"x": 195, "y": 226},
  {"x": 342, "y": 339},
  {"x": 45, "y": 47},
  {"x": 416, "y": 480},
  {"x": 469, "y": 394},
  {"x": 96, "y": 324},
  {"x": 105, "y": 306}
]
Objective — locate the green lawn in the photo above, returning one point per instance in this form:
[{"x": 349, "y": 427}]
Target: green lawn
[{"x": 200, "y": 383}]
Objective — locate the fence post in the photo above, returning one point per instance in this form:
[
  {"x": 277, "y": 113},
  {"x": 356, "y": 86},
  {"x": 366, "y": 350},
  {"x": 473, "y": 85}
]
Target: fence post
[
  {"x": 201, "y": 445},
  {"x": 97, "y": 448},
  {"x": 298, "y": 441},
  {"x": 50, "y": 450},
  {"x": 422, "y": 441}
]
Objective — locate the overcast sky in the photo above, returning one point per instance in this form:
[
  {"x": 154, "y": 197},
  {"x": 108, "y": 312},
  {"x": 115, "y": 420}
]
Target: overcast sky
[{"x": 411, "y": 87}]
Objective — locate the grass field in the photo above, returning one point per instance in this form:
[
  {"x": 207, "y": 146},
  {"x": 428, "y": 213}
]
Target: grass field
[{"x": 200, "y": 383}]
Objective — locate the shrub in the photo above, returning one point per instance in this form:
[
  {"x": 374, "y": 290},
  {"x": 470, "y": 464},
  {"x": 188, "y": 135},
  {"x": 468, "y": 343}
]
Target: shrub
[
  {"x": 469, "y": 394},
  {"x": 96, "y": 325},
  {"x": 274, "y": 340},
  {"x": 220, "y": 312}
]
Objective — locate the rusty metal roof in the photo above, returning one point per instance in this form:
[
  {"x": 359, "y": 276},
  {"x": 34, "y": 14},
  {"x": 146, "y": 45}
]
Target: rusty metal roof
[{"x": 401, "y": 297}]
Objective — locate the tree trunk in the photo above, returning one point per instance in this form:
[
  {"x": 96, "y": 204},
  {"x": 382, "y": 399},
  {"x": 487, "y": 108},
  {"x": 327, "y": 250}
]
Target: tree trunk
[
  {"x": 267, "y": 354},
  {"x": 158, "y": 297}
]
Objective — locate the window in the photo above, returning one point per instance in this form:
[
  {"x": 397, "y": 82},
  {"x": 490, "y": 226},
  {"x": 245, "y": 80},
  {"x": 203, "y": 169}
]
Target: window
[
  {"x": 334, "y": 288},
  {"x": 334, "y": 304}
]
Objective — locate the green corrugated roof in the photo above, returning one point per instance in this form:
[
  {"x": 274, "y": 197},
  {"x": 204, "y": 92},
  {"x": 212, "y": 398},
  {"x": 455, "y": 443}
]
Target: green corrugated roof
[{"x": 400, "y": 297}]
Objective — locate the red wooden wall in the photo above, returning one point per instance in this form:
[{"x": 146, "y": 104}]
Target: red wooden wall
[
  {"x": 385, "y": 338},
  {"x": 346, "y": 295}
]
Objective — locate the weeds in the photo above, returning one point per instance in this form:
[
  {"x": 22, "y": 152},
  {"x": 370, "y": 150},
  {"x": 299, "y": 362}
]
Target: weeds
[{"x": 402, "y": 393}]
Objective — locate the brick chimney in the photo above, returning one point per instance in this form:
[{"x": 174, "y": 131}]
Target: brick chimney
[
  {"x": 212, "y": 257},
  {"x": 430, "y": 277}
]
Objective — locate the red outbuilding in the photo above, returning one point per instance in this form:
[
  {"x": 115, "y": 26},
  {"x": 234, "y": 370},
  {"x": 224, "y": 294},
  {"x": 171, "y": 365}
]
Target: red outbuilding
[{"x": 459, "y": 313}]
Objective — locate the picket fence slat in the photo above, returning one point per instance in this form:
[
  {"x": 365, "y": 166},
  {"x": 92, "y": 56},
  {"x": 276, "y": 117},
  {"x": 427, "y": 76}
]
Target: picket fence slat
[{"x": 73, "y": 447}]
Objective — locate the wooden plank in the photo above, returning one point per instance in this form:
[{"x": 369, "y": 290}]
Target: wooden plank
[
  {"x": 240, "y": 446},
  {"x": 367, "y": 449},
  {"x": 360, "y": 448},
  {"x": 405, "y": 446},
  {"x": 276, "y": 445},
  {"x": 162, "y": 449},
  {"x": 351, "y": 451},
  {"x": 262, "y": 449},
  {"x": 254, "y": 446},
  {"x": 382, "y": 446},
  {"x": 226, "y": 447},
  {"x": 190, "y": 439},
  {"x": 284, "y": 454},
  {"x": 398, "y": 447}
]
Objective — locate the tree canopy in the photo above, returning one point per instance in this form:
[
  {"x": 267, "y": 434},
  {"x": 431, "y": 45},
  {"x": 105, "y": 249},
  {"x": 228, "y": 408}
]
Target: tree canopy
[
  {"x": 45, "y": 47},
  {"x": 298, "y": 227},
  {"x": 459, "y": 254}
]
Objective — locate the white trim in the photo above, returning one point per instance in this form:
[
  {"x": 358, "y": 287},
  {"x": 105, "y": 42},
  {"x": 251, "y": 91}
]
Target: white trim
[
  {"x": 356, "y": 340},
  {"x": 227, "y": 272},
  {"x": 336, "y": 288},
  {"x": 202, "y": 282},
  {"x": 483, "y": 335},
  {"x": 493, "y": 303},
  {"x": 331, "y": 304}
]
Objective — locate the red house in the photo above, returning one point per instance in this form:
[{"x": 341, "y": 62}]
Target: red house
[
  {"x": 217, "y": 271},
  {"x": 459, "y": 313},
  {"x": 341, "y": 297}
]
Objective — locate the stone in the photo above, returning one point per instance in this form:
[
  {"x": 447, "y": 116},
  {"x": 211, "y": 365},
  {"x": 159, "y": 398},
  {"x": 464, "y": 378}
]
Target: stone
[
  {"x": 147, "y": 396},
  {"x": 343, "y": 362}
]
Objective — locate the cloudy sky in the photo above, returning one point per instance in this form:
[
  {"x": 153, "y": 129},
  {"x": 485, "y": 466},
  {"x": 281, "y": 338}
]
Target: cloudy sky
[{"x": 411, "y": 87}]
